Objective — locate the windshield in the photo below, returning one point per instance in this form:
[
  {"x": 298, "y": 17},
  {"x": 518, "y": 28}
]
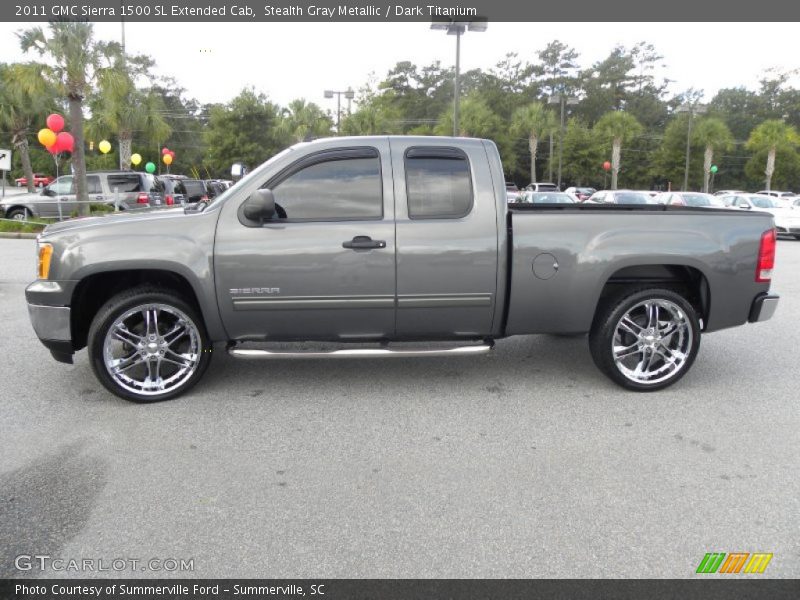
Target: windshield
[
  {"x": 548, "y": 198},
  {"x": 631, "y": 198},
  {"x": 763, "y": 202},
  {"x": 697, "y": 200}
]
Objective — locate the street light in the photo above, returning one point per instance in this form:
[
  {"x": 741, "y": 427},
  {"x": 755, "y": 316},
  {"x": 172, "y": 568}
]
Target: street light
[
  {"x": 564, "y": 100},
  {"x": 693, "y": 109},
  {"x": 349, "y": 94},
  {"x": 458, "y": 28}
]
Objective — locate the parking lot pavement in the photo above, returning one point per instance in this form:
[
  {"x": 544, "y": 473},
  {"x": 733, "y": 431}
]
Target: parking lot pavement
[{"x": 523, "y": 463}]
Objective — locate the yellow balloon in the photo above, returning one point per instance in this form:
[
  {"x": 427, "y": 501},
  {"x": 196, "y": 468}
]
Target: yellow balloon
[
  {"x": 104, "y": 147},
  {"x": 167, "y": 158},
  {"x": 136, "y": 159},
  {"x": 47, "y": 137}
]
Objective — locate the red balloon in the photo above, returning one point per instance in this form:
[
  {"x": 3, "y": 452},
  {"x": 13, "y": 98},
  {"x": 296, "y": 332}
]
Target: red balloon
[
  {"x": 165, "y": 150},
  {"x": 55, "y": 122},
  {"x": 65, "y": 142},
  {"x": 53, "y": 149},
  {"x": 606, "y": 166},
  {"x": 172, "y": 154}
]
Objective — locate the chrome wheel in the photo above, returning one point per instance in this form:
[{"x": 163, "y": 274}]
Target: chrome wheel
[
  {"x": 152, "y": 349},
  {"x": 19, "y": 216},
  {"x": 652, "y": 342}
]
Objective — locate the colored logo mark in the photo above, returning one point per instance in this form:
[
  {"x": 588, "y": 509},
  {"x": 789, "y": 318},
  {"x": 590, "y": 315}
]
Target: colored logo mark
[{"x": 734, "y": 562}]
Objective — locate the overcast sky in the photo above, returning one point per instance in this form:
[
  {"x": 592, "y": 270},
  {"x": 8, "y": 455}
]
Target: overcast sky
[{"x": 290, "y": 60}]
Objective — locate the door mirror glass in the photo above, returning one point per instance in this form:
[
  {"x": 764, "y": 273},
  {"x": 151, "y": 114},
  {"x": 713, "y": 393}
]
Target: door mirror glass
[{"x": 259, "y": 207}]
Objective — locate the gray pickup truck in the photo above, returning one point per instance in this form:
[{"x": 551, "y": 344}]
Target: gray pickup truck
[{"x": 392, "y": 246}]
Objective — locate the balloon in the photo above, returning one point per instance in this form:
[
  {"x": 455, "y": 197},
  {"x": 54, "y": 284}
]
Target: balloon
[
  {"x": 172, "y": 154},
  {"x": 53, "y": 149},
  {"x": 167, "y": 158},
  {"x": 47, "y": 137},
  {"x": 714, "y": 168},
  {"x": 55, "y": 122},
  {"x": 165, "y": 150},
  {"x": 606, "y": 166},
  {"x": 150, "y": 167},
  {"x": 65, "y": 142},
  {"x": 104, "y": 147},
  {"x": 136, "y": 159}
]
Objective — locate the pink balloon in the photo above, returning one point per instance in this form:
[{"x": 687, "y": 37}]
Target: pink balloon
[
  {"x": 55, "y": 122},
  {"x": 165, "y": 150},
  {"x": 53, "y": 149},
  {"x": 172, "y": 154},
  {"x": 65, "y": 142}
]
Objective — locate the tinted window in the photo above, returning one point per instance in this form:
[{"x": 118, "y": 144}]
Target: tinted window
[
  {"x": 332, "y": 190},
  {"x": 93, "y": 184},
  {"x": 438, "y": 186},
  {"x": 125, "y": 183}
]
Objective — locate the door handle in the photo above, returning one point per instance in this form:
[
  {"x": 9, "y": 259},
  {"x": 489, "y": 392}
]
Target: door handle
[
  {"x": 363, "y": 242},
  {"x": 98, "y": 197}
]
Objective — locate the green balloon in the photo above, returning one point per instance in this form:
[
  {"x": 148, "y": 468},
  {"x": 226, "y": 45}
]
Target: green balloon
[
  {"x": 150, "y": 167},
  {"x": 714, "y": 168}
]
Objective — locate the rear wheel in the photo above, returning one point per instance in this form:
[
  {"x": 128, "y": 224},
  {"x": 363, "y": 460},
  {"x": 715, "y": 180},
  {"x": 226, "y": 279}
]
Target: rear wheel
[
  {"x": 148, "y": 344},
  {"x": 645, "y": 340}
]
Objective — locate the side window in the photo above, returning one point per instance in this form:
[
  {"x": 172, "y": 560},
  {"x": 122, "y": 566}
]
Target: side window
[
  {"x": 63, "y": 185},
  {"x": 125, "y": 183},
  {"x": 332, "y": 190},
  {"x": 438, "y": 183},
  {"x": 93, "y": 185}
]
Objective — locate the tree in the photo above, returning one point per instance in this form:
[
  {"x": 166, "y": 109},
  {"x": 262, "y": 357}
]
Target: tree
[
  {"x": 620, "y": 128},
  {"x": 25, "y": 98},
  {"x": 712, "y": 134},
  {"x": 302, "y": 119},
  {"x": 772, "y": 135},
  {"x": 533, "y": 122},
  {"x": 582, "y": 154},
  {"x": 71, "y": 47}
]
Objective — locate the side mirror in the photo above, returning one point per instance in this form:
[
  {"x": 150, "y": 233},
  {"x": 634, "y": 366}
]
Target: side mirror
[
  {"x": 260, "y": 206},
  {"x": 48, "y": 192}
]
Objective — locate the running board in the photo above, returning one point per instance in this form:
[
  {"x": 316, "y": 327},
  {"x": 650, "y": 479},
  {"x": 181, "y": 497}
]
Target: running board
[{"x": 360, "y": 352}]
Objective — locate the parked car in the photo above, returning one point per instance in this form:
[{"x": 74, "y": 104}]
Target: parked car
[
  {"x": 787, "y": 220},
  {"x": 692, "y": 199},
  {"x": 582, "y": 194},
  {"x": 775, "y": 193},
  {"x": 39, "y": 180},
  {"x": 542, "y": 187},
  {"x": 214, "y": 187},
  {"x": 126, "y": 190},
  {"x": 620, "y": 197},
  {"x": 325, "y": 242},
  {"x": 729, "y": 192},
  {"x": 512, "y": 192},
  {"x": 168, "y": 182},
  {"x": 192, "y": 191},
  {"x": 547, "y": 198}
]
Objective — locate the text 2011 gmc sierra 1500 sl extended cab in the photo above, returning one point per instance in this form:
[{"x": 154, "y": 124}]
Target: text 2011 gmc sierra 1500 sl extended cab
[{"x": 371, "y": 242}]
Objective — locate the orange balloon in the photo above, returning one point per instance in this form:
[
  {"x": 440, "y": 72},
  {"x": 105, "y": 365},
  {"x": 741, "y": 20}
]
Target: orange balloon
[
  {"x": 167, "y": 158},
  {"x": 47, "y": 137}
]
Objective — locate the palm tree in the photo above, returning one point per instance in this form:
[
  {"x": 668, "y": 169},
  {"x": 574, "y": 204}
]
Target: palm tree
[
  {"x": 621, "y": 128},
  {"x": 533, "y": 121},
  {"x": 713, "y": 134},
  {"x": 476, "y": 119},
  {"x": 71, "y": 47},
  {"x": 302, "y": 119},
  {"x": 25, "y": 97},
  {"x": 772, "y": 135}
]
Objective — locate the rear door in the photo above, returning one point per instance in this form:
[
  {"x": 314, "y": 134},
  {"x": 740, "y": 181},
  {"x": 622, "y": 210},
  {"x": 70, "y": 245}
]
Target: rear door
[{"x": 447, "y": 253}]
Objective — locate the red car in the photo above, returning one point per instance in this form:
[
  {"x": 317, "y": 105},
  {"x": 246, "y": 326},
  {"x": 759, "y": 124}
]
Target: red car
[{"x": 39, "y": 180}]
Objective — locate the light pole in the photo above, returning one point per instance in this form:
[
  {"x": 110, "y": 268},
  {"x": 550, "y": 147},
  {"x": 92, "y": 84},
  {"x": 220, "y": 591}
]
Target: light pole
[
  {"x": 458, "y": 28},
  {"x": 349, "y": 94},
  {"x": 692, "y": 109},
  {"x": 564, "y": 100}
]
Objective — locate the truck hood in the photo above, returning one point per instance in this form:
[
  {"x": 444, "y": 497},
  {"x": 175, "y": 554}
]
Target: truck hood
[{"x": 128, "y": 216}]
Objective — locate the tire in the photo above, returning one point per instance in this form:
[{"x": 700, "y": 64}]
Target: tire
[
  {"x": 19, "y": 214},
  {"x": 148, "y": 362},
  {"x": 657, "y": 329},
  {"x": 797, "y": 237}
]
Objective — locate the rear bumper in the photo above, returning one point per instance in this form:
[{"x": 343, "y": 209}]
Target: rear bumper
[{"x": 763, "y": 308}]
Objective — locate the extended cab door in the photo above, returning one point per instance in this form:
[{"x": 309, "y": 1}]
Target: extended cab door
[
  {"x": 447, "y": 238},
  {"x": 324, "y": 266}
]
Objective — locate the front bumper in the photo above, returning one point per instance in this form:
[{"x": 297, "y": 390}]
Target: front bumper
[
  {"x": 52, "y": 324},
  {"x": 763, "y": 308}
]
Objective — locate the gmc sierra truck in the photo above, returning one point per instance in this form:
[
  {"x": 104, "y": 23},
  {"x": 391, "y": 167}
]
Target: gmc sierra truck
[{"x": 392, "y": 246}]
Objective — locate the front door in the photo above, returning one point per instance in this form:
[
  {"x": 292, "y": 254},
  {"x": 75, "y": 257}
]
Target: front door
[{"x": 324, "y": 267}]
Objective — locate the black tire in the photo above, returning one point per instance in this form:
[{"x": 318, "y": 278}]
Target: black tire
[
  {"x": 669, "y": 360},
  {"x": 19, "y": 213},
  {"x": 177, "y": 311}
]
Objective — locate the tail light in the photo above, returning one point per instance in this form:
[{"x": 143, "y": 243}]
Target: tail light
[
  {"x": 766, "y": 257},
  {"x": 204, "y": 198},
  {"x": 169, "y": 200},
  {"x": 142, "y": 199}
]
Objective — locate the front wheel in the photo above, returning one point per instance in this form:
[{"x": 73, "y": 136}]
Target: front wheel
[
  {"x": 19, "y": 214},
  {"x": 148, "y": 344},
  {"x": 645, "y": 340}
]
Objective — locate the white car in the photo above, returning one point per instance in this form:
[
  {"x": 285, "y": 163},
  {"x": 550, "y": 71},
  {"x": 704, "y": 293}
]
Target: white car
[
  {"x": 775, "y": 193},
  {"x": 787, "y": 220},
  {"x": 692, "y": 199}
]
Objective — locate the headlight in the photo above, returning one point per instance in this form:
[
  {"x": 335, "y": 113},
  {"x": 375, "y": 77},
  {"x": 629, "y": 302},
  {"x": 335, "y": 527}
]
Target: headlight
[{"x": 45, "y": 254}]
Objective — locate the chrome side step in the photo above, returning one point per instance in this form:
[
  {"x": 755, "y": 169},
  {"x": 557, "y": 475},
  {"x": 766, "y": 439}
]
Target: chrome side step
[{"x": 254, "y": 353}]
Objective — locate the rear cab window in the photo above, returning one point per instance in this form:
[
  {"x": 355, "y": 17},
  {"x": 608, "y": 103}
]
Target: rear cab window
[{"x": 438, "y": 183}]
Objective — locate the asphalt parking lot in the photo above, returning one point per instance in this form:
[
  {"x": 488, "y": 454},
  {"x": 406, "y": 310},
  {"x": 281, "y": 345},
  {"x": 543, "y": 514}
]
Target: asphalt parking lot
[{"x": 524, "y": 463}]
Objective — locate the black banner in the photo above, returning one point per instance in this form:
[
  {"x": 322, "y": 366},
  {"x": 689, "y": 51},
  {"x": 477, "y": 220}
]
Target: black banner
[
  {"x": 733, "y": 588},
  {"x": 395, "y": 10}
]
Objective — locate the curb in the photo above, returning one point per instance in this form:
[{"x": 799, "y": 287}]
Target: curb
[{"x": 16, "y": 235}]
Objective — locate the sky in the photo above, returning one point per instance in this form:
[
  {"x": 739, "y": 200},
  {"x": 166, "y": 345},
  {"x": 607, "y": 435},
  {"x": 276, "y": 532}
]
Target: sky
[{"x": 214, "y": 61}]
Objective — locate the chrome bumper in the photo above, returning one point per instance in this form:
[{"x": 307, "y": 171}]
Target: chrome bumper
[
  {"x": 763, "y": 308},
  {"x": 51, "y": 322}
]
